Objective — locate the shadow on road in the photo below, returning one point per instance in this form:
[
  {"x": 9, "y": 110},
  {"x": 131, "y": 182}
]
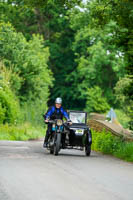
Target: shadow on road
[{"x": 70, "y": 154}]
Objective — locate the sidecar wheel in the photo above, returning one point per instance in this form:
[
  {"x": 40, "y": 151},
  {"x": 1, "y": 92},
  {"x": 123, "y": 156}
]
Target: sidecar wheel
[{"x": 88, "y": 150}]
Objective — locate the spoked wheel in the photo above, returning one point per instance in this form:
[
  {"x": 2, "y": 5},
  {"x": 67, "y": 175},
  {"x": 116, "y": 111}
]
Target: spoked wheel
[
  {"x": 57, "y": 144},
  {"x": 88, "y": 150}
]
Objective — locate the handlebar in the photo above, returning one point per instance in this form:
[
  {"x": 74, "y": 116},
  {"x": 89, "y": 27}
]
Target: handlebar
[
  {"x": 54, "y": 121},
  {"x": 50, "y": 121}
]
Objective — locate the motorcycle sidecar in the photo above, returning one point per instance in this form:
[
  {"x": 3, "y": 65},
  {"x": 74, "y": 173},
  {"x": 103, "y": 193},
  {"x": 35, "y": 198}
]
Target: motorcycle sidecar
[{"x": 80, "y": 133}]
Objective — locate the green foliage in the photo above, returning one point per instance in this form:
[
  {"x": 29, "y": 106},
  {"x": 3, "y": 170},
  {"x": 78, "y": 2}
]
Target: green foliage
[
  {"x": 2, "y": 114},
  {"x": 106, "y": 143},
  {"x": 25, "y": 131},
  {"x": 33, "y": 112},
  {"x": 52, "y": 22},
  {"x": 99, "y": 62},
  {"x": 95, "y": 101},
  {"x": 44, "y": 3},
  {"x": 120, "y": 90},
  {"x": 88, "y": 47},
  {"x": 27, "y": 76},
  {"x": 123, "y": 118},
  {"x": 121, "y": 12},
  {"x": 125, "y": 152},
  {"x": 28, "y": 61},
  {"x": 9, "y": 106},
  {"x": 124, "y": 97}
]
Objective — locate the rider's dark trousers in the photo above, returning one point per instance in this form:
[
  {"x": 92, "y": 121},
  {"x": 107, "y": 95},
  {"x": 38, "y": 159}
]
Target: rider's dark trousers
[{"x": 48, "y": 131}]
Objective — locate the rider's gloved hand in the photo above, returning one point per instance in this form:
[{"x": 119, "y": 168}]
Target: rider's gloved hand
[
  {"x": 46, "y": 120},
  {"x": 69, "y": 122}
]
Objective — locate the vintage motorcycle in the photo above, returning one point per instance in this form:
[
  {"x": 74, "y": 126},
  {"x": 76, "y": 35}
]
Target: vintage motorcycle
[
  {"x": 70, "y": 136},
  {"x": 55, "y": 141}
]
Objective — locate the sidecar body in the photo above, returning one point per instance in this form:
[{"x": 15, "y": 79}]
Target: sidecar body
[{"x": 79, "y": 131}]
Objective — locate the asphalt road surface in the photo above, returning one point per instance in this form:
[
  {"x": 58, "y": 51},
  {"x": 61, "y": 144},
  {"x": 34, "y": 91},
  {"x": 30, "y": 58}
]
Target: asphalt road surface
[{"x": 29, "y": 172}]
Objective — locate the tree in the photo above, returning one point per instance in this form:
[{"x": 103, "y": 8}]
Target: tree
[
  {"x": 99, "y": 61},
  {"x": 121, "y": 12},
  {"x": 88, "y": 46},
  {"x": 52, "y": 22},
  {"x": 29, "y": 61},
  {"x": 95, "y": 101}
]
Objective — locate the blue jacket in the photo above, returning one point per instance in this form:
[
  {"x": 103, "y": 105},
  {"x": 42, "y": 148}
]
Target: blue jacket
[{"x": 55, "y": 111}]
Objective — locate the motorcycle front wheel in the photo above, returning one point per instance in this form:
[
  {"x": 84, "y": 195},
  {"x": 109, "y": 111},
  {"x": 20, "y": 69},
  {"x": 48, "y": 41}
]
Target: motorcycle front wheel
[{"x": 57, "y": 144}]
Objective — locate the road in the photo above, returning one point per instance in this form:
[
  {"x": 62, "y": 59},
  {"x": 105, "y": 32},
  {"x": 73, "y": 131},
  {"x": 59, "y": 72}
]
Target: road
[{"x": 29, "y": 172}]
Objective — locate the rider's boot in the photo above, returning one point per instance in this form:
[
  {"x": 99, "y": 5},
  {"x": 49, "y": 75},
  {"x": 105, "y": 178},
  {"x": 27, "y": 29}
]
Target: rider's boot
[{"x": 45, "y": 144}]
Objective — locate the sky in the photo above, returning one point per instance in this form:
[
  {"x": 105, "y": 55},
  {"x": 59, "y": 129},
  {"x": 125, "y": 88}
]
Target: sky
[{"x": 84, "y": 1}]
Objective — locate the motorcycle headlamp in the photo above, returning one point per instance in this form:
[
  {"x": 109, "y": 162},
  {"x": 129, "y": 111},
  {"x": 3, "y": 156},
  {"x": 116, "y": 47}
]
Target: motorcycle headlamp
[
  {"x": 53, "y": 125},
  {"x": 59, "y": 122}
]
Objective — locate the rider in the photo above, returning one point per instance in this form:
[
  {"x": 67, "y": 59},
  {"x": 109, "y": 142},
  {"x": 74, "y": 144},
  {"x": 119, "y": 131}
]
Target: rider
[{"x": 55, "y": 112}]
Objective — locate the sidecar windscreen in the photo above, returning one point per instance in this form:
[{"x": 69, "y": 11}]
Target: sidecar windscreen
[{"x": 78, "y": 117}]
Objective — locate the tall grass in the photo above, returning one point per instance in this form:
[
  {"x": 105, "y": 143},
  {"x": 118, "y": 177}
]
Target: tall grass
[
  {"x": 33, "y": 113},
  {"x": 23, "y": 132}
]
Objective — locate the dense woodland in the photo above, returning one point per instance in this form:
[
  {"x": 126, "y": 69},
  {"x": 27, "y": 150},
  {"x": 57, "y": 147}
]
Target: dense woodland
[{"x": 81, "y": 51}]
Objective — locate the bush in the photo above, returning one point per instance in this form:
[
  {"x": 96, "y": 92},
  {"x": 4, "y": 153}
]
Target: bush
[
  {"x": 125, "y": 151},
  {"x": 2, "y": 114},
  {"x": 9, "y": 106},
  {"x": 106, "y": 143}
]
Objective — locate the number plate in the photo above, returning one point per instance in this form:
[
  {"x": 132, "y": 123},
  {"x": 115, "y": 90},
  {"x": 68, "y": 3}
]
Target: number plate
[{"x": 79, "y": 131}]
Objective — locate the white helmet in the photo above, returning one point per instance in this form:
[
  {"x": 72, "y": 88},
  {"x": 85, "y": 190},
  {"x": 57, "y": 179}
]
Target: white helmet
[{"x": 58, "y": 100}]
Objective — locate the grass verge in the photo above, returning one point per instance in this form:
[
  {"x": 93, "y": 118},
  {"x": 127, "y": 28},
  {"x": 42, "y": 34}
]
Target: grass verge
[
  {"x": 21, "y": 132},
  {"x": 106, "y": 143}
]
